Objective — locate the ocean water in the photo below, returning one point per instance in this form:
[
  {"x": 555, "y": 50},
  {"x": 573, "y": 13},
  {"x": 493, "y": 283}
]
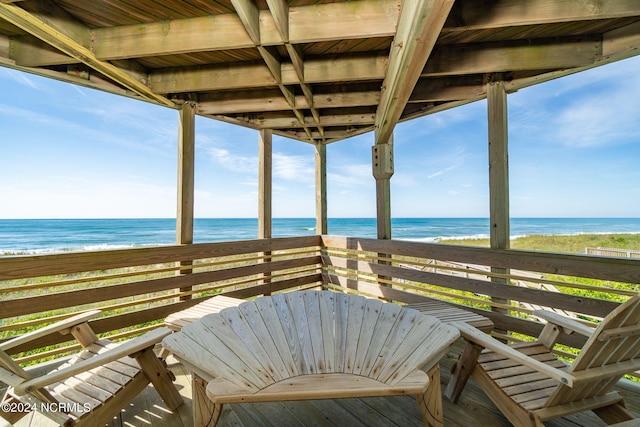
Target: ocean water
[{"x": 32, "y": 236}]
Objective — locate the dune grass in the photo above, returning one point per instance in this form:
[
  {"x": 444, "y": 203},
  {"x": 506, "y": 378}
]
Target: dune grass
[{"x": 574, "y": 244}]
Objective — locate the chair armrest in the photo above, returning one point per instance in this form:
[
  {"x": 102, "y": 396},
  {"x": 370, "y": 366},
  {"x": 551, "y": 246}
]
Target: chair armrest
[
  {"x": 127, "y": 348},
  {"x": 49, "y": 329},
  {"x": 475, "y": 336},
  {"x": 566, "y": 323}
]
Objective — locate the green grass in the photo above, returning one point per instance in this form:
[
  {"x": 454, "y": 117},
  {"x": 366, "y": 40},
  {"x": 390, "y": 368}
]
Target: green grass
[{"x": 574, "y": 244}]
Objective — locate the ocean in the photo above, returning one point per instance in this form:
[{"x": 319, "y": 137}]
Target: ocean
[{"x": 34, "y": 236}]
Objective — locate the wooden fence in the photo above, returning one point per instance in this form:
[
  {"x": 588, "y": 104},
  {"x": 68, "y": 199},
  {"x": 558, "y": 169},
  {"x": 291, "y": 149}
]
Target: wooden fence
[
  {"x": 586, "y": 286},
  {"x": 138, "y": 288},
  {"x": 627, "y": 253}
]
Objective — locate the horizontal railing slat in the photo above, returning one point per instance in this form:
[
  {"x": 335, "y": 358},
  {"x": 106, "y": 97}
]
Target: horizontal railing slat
[
  {"x": 28, "y": 266},
  {"x": 21, "y": 306},
  {"x": 580, "y": 304},
  {"x": 126, "y": 320},
  {"x": 605, "y": 268}
]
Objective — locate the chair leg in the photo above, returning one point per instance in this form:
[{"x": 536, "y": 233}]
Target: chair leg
[
  {"x": 613, "y": 414},
  {"x": 205, "y": 412},
  {"x": 156, "y": 371},
  {"x": 430, "y": 402},
  {"x": 462, "y": 371}
]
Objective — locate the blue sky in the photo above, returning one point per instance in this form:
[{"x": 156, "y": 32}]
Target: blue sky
[{"x": 72, "y": 152}]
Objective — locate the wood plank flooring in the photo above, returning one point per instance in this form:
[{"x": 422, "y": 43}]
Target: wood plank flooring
[{"x": 474, "y": 409}]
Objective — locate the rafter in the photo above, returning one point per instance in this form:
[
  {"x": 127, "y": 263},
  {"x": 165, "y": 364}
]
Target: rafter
[
  {"x": 280, "y": 13},
  {"x": 250, "y": 16},
  {"x": 52, "y": 36},
  {"x": 419, "y": 25}
]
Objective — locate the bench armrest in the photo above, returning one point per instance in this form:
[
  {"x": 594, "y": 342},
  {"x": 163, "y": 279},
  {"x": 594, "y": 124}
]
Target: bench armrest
[
  {"x": 49, "y": 329},
  {"x": 473, "y": 335},
  {"x": 127, "y": 348}
]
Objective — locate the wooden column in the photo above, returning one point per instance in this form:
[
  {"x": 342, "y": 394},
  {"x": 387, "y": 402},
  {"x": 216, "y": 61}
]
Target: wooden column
[
  {"x": 265, "y": 167},
  {"x": 321, "y": 189},
  {"x": 264, "y": 183},
  {"x": 498, "y": 164},
  {"x": 382, "y": 162},
  {"x": 498, "y": 174},
  {"x": 186, "y": 161},
  {"x": 186, "y": 173}
]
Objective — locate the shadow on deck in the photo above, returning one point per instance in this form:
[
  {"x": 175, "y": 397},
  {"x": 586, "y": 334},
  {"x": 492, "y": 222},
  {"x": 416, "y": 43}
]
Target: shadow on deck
[{"x": 474, "y": 409}]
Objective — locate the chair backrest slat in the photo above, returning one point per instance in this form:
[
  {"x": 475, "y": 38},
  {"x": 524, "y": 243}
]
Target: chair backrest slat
[{"x": 613, "y": 341}]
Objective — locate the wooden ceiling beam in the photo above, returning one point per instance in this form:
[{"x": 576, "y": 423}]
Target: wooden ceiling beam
[
  {"x": 285, "y": 120},
  {"x": 444, "y": 61},
  {"x": 323, "y": 22},
  {"x": 57, "y": 39},
  {"x": 521, "y": 55},
  {"x": 469, "y": 15},
  {"x": 225, "y": 32},
  {"x": 443, "y": 89},
  {"x": 618, "y": 44},
  {"x": 331, "y": 134},
  {"x": 431, "y": 89},
  {"x": 254, "y": 75},
  {"x": 419, "y": 25},
  {"x": 272, "y": 100}
]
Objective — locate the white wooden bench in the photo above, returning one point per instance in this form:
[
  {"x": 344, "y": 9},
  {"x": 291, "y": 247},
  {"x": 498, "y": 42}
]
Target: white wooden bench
[{"x": 312, "y": 345}]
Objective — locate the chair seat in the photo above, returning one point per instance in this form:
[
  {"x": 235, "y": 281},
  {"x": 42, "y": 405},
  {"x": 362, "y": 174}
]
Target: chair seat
[
  {"x": 84, "y": 392},
  {"x": 524, "y": 385}
]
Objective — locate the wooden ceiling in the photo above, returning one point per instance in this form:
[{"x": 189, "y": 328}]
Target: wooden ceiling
[{"x": 314, "y": 70}]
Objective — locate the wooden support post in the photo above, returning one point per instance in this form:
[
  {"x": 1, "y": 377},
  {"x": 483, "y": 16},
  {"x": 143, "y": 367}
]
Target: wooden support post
[
  {"x": 321, "y": 189},
  {"x": 264, "y": 183},
  {"x": 186, "y": 173},
  {"x": 265, "y": 168},
  {"x": 498, "y": 173},
  {"x": 382, "y": 163}
]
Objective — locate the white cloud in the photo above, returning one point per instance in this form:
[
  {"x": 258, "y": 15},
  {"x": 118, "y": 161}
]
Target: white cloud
[
  {"x": 293, "y": 167},
  {"x": 20, "y": 78},
  {"x": 443, "y": 171},
  {"x": 351, "y": 175},
  {"x": 233, "y": 162}
]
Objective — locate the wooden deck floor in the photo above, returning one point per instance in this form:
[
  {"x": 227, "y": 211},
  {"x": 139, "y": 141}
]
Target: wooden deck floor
[{"x": 474, "y": 409}]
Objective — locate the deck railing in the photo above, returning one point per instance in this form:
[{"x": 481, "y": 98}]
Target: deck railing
[
  {"x": 585, "y": 287},
  {"x": 137, "y": 288}
]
